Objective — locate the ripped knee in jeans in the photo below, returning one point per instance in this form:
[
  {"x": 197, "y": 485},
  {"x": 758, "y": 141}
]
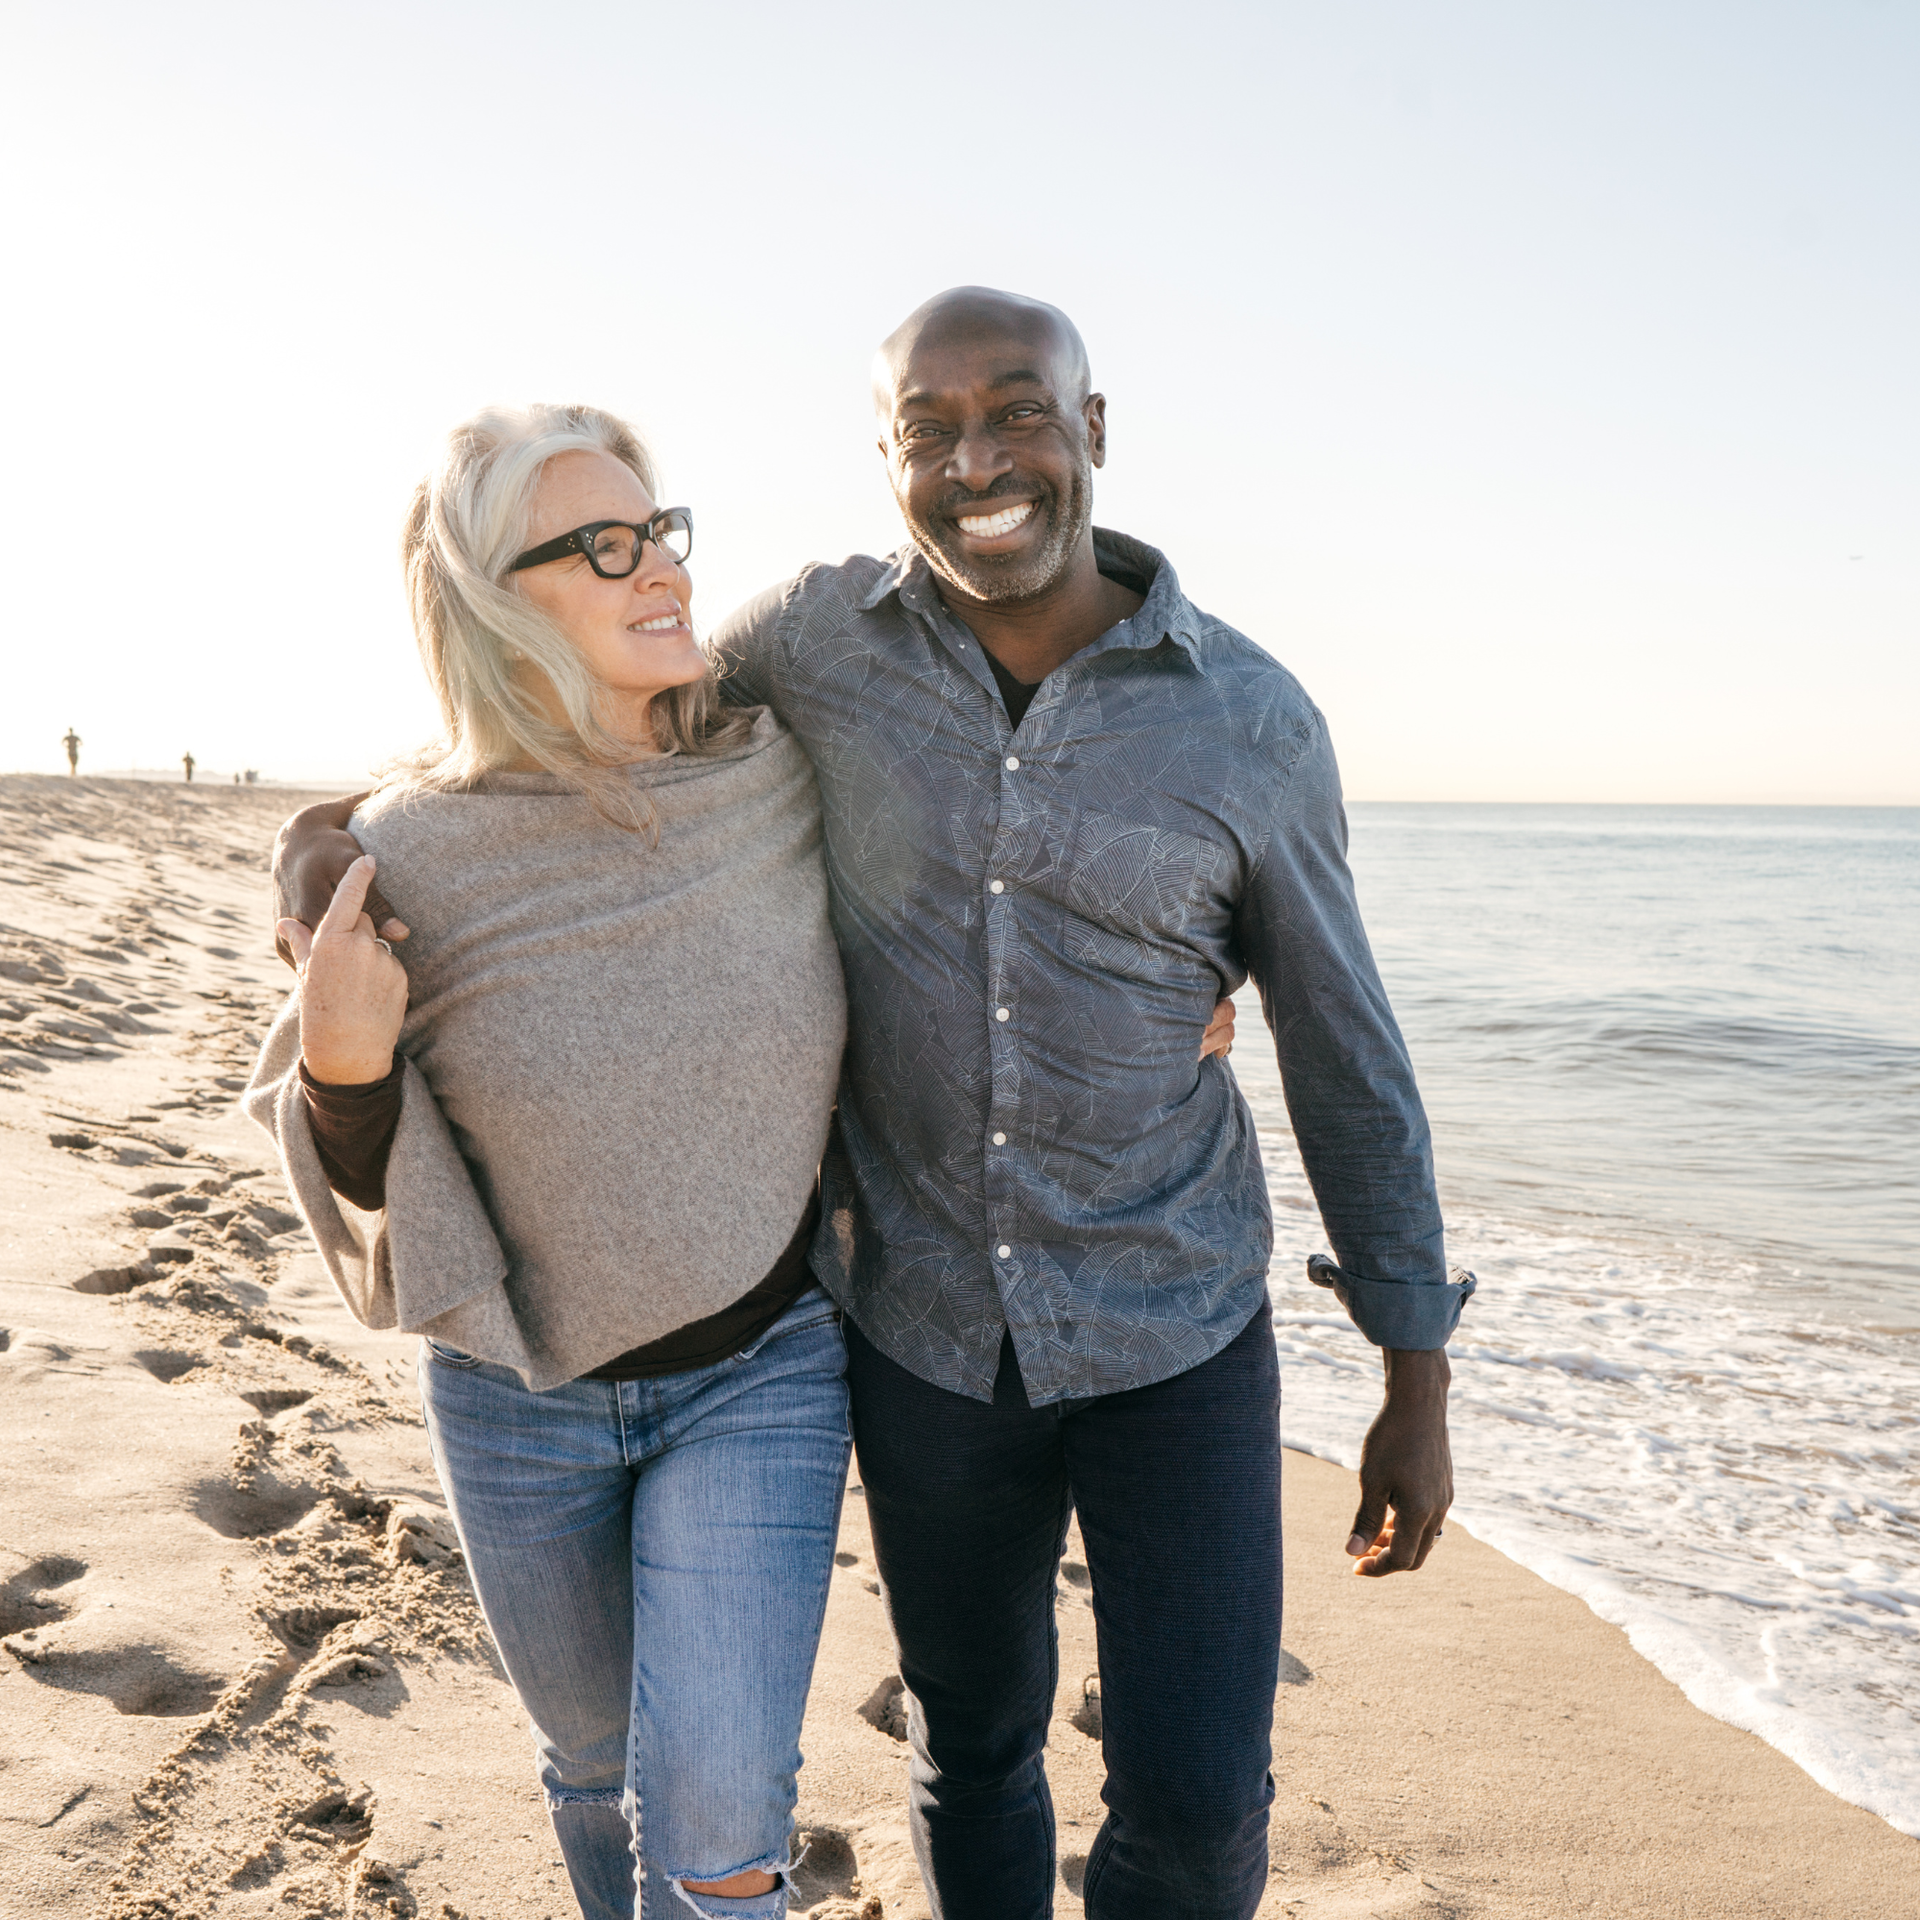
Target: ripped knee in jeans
[{"x": 771, "y": 1905}]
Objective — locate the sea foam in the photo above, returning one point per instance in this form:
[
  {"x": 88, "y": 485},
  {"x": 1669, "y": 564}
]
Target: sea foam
[{"x": 1734, "y": 1485}]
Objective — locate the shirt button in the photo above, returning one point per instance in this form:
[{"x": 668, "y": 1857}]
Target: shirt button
[
  {"x": 1001, "y": 1013},
  {"x": 1013, "y": 763},
  {"x": 996, "y": 886},
  {"x": 999, "y": 1139},
  {"x": 1005, "y": 1253}
]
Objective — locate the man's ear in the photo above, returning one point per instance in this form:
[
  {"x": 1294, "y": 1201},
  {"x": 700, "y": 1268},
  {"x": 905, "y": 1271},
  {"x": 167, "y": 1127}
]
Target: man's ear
[{"x": 1096, "y": 417}]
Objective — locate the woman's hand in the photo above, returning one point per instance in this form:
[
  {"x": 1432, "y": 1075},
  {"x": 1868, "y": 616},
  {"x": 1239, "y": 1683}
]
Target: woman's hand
[{"x": 353, "y": 992}]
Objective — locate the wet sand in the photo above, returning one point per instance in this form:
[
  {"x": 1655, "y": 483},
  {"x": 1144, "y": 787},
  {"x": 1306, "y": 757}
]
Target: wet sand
[{"x": 240, "y": 1668}]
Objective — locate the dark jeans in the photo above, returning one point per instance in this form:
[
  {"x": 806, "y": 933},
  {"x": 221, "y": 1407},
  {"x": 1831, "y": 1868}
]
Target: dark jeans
[{"x": 1177, "y": 1486}]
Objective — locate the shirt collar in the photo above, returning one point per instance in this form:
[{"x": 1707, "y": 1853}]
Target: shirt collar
[{"x": 1166, "y": 614}]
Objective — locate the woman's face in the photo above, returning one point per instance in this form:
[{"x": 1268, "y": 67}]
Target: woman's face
[{"x": 634, "y": 633}]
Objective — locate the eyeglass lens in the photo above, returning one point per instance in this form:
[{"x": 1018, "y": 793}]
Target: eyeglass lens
[{"x": 616, "y": 550}]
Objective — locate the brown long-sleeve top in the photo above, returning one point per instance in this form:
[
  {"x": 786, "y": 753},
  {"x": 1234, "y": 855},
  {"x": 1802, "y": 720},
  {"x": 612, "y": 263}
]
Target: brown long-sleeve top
[{"x": 353, "y": 1131}]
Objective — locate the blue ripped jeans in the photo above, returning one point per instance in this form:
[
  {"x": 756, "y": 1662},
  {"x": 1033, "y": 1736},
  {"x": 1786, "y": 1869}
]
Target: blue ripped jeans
[{"x": 652, "y": 1557}]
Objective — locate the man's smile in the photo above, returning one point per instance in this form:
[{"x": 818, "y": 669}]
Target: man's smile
[{"x": 994, "y": 526}]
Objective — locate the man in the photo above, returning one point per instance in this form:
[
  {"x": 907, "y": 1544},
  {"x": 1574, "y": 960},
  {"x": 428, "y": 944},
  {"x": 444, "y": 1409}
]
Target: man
[
  {"x": 1065, "y": 812},
  {"x": 71, "y": 741}
]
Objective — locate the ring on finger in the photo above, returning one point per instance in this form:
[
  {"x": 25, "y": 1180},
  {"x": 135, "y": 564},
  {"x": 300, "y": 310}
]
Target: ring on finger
[{"x": 378, "y": 942}]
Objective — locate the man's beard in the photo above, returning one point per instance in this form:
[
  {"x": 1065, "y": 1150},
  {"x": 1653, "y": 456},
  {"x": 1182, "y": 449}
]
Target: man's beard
[{"x": 1013, "y": 576}]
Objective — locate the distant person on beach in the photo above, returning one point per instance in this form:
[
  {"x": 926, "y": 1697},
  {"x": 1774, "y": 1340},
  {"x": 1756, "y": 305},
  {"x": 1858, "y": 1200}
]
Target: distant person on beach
[
  {"x": 71, "y": 741},
  {"x": 187, "y": 760},
  {"x": 1066, "y": 812}
]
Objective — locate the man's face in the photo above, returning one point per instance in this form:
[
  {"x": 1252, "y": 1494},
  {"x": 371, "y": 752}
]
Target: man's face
[{"x": 990, "y": 444}]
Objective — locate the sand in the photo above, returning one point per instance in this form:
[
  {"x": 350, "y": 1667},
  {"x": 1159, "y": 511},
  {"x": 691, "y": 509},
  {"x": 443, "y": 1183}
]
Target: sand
[{"x": 240, "y": 1668}]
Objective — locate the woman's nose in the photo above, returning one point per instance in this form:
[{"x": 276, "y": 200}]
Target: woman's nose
[{"x": 657, "y": 568}]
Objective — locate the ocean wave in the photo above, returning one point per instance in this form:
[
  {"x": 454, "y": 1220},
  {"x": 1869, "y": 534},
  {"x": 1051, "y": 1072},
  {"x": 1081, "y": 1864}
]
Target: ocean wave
[
  {"x": 1738, "y": 1490},
  {"x": 1616, "y": 1034}
]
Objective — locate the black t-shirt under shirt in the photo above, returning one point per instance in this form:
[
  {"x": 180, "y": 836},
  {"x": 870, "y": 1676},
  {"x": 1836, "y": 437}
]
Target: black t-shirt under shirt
[{"x": 1016, "y": 695}]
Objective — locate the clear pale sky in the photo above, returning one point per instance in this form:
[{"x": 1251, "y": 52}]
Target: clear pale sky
[{"x": 1538, "y": 382}]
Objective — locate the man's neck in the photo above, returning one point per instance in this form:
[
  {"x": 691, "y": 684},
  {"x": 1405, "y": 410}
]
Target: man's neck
[{"x": 1032, "y": 637}]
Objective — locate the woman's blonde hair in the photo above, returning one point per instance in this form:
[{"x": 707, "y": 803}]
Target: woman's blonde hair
[{"x": 469, "y": 519}]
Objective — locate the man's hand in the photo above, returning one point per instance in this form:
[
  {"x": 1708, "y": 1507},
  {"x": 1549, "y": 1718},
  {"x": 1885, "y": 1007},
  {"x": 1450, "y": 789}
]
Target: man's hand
[
  {"x": 1218, "y": 1037},
  {"x": 353, "y": 992},
  {"x": 311, "y": 855},
  {"x": 1406, "y": 1468}
]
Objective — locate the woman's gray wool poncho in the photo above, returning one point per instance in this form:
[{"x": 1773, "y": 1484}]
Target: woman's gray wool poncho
[{"x": 620, "y": 1060}]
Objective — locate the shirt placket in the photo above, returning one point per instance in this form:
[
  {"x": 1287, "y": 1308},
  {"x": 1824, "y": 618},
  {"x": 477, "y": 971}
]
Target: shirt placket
[{"x": 1009, "y": 1082}]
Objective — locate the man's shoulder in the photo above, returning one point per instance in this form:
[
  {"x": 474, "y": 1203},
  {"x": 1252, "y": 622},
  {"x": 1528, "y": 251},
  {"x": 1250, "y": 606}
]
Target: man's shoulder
[
  {"x": 826, "y": 592},
  {"x": 1260, "y": 692}
]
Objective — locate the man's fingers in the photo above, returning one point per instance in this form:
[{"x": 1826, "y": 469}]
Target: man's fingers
[
  {"x": 293, "y": 941},
  {"x": 1401, "y": 1547},
  {"x": 383, "y": 914},
  {"x": 1368, "y": 1524},
  {"x": 349, "y": 898},
  {"x": 1405, "y": 1550}
]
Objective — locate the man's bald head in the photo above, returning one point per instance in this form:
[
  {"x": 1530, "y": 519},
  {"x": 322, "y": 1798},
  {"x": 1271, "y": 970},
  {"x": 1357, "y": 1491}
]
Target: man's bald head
[
  {"x": 991, "y": 437},
  {"x": 964, "y": 317}
]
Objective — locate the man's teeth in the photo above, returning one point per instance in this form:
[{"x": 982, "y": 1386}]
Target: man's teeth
[
  {"x": 655, "y": 626},
  {"x": 990, "y": 526}
]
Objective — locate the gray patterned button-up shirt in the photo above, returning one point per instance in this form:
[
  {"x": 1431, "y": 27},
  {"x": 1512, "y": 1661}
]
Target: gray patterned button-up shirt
[{"x": 1036, "y": 923}]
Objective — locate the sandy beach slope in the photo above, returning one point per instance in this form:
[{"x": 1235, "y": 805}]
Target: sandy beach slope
[{"x": 240, "y": 1668}]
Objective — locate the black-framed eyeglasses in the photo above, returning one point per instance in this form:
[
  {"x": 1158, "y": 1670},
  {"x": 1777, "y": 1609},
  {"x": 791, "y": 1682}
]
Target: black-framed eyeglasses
[{"x": 612, "y": 548}]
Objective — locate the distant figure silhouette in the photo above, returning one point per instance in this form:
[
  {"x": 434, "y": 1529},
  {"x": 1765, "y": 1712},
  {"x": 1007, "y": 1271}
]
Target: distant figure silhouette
[
  {"x": 72, "y": 744},
  {"x": 186, "y": 760}
]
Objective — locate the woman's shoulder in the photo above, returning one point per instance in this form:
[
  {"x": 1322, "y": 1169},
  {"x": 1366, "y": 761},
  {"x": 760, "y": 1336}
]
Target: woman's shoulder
[{"x": 760, "y": 747}]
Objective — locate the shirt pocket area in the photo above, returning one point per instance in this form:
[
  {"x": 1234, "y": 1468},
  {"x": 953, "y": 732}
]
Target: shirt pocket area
[{"x": 1134, "y": 885}]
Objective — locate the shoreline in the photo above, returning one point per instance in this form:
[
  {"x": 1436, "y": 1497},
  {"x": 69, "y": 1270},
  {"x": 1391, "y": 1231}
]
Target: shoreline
[{"x": 241, "y": 1673}]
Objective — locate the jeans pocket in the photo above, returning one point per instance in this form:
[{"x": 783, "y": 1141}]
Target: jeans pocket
[
  {"x": 449, "y": 1356},
  {"x": 814, "y": 1308}
]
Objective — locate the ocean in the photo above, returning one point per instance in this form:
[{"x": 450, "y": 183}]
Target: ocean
[{"x": 1672, "y": 1060}]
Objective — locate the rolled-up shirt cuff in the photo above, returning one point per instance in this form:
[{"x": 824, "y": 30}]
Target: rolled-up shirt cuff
[{"x": 1406, "y": 1315}]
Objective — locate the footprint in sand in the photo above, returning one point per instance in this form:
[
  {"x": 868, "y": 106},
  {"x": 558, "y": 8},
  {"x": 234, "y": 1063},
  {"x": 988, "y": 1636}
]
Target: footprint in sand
[
  {"x": 166, "y": 1366},
  {"x": 886, "y": 1708},
  {"x": 303, "y": 1628},
  {"x": 1086, "y": 1716},
  {"x": 117, "y": 1279},
  {"x": 24, "y": 1593},
  {"x": 270, "y": 1505},
  {"x": 267, "y": 1401},
  {"x": 827, "y": 1868},
  {"x": 128, "y": 1656}
]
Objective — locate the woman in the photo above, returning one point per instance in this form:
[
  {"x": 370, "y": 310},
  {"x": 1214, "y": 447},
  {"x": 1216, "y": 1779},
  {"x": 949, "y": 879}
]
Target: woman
[{"x": 573, "y": 1141}]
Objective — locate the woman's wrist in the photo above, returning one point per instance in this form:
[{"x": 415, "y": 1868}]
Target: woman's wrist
[{"x": 348, "y": 1073}]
